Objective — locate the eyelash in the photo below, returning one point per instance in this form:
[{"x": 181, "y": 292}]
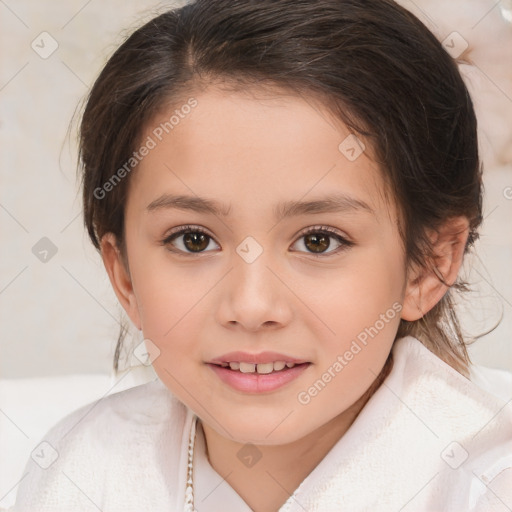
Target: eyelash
[{"x": 325, "y": 230}]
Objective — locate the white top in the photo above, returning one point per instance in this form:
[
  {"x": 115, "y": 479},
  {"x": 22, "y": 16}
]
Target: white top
[{"x": 427, "y": 440}]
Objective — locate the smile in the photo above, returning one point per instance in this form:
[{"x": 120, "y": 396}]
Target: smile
[
  {"x": 257, "y": 378},
  {"x": 261, "y": 368}
]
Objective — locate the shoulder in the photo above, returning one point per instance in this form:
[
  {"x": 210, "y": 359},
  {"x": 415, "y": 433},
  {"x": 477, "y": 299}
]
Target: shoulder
[
  {"x": 471, "y": 418},
  {"x": 467, "y": 403},
  {"x": 417, "y": 364},
  {"x": 105, "y": 445},
  {"x": 145, "y": 408}
]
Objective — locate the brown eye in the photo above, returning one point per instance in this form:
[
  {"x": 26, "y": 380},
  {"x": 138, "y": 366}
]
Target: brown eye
[
  {"x": 188, "y": 240},
  {"x": 195, "y": 242},
  {"x": 317, "y": 242}
]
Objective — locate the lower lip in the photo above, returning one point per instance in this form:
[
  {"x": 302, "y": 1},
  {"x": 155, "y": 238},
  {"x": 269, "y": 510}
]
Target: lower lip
[{"x": 258, "y": 382}]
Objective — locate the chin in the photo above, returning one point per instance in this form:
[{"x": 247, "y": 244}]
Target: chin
[{"x": 264, "y": 432}]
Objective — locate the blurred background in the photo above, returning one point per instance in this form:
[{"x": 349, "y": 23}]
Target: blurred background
[{"x": 58, "y": 315}]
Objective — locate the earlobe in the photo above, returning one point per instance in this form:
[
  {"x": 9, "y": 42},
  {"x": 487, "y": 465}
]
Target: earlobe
[
  {"x": 119, "y": 277},
  {"x": 427, "y": 285}
]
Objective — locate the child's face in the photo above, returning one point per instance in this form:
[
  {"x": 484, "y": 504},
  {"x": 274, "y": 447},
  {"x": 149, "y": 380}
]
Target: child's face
[{"x": 250, "y": 155}]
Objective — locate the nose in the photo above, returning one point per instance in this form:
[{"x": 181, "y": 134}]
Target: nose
[{"x": 253, "y": 297}]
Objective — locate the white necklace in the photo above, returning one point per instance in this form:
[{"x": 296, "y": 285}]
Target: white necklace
[{"x": 189, "y": 490}]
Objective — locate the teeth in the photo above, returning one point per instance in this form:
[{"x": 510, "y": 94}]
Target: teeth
[
  {"x": 247, "y": 367},
  {"x": 262, "y": 368},
  {"x": 265, "y": 367},
  {"x": 279, "y": 365}
]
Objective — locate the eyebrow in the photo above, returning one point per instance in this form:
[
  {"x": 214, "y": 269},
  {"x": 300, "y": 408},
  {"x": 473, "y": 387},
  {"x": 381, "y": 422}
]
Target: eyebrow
[{"x": 329, "y": 204}]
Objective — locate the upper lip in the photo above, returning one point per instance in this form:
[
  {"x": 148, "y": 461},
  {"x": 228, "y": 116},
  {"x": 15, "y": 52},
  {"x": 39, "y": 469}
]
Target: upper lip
[{"x": 260, "y": 358}]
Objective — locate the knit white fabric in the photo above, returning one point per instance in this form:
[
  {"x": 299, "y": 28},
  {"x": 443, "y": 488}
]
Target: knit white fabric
[{"x": 427, "y": 440}]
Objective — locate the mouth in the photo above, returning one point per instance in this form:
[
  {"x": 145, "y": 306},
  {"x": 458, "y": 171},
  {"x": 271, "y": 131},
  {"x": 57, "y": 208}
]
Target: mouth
[
  {"x": 259, "y": 368},
  {"x": 261, "y": 372},
  {"x": 257, "y": 373}
]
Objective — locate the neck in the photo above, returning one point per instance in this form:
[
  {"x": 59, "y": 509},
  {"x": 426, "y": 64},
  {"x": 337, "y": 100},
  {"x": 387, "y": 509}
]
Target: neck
[{"x": 268, "y": 484}]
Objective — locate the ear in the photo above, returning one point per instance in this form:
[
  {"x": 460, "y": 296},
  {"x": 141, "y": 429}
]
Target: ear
[
  {"x": 120, "y": 277},
  {"x": 426, "y": 285}
]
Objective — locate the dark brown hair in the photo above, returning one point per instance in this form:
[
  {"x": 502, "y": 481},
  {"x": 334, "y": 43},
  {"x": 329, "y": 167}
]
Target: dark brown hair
[{"x": 372, "y": 63}]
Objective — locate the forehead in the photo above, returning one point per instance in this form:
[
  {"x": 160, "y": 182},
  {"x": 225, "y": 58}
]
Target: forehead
[{"x": 252, "y": 145}]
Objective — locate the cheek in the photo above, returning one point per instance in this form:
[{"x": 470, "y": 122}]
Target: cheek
[
  {"x": 168, "y": 296},
  {"x": 172, "y": 309},
  {"x": 360, "y": 311},
  {"x": 354, "y": 296},
  {"x": 350, "y": 362}
]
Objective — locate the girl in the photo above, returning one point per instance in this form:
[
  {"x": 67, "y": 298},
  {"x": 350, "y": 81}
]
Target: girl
[{"x": 282, "y": 193}]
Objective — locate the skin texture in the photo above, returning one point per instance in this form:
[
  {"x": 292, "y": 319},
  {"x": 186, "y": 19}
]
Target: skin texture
[{"x": 252, "y": 151}]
